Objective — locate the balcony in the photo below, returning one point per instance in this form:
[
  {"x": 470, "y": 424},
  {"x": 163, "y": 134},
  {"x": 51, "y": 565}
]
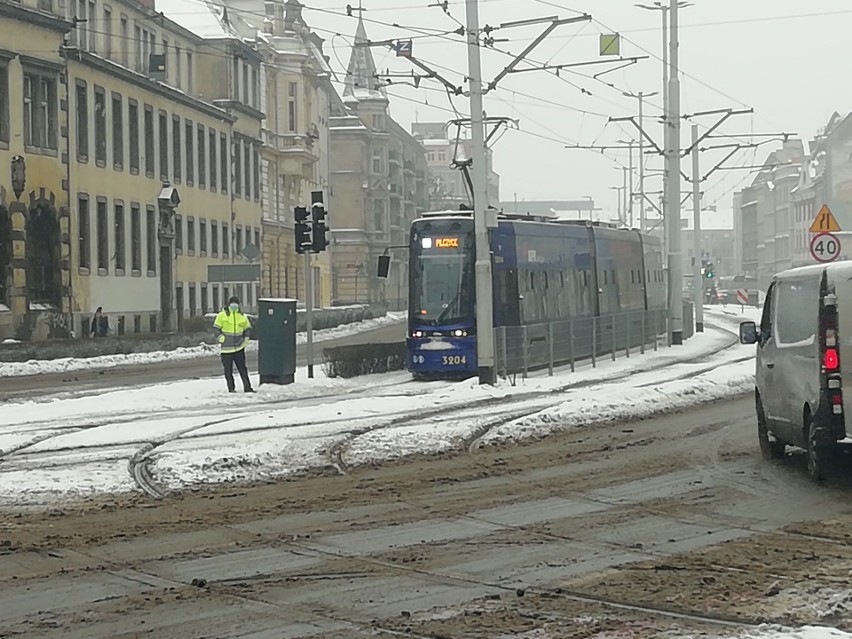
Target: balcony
[
  {"x": 409, "y": 166},
  {"x": 292, "y": 146},
  {"x": 395, "y": 158}
]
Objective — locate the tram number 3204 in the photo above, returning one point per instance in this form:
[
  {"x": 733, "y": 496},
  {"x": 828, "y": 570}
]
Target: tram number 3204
[{"x": 453, "y": 360}]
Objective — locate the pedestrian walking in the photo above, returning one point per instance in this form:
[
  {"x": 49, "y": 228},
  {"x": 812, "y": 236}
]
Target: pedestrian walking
[
  {"x": 234, "y": 331},
  {"x": 100, "y": 324}
]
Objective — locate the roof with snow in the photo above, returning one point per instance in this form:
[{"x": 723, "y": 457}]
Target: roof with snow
[
  {"x": 203, "y": 18},
  {"x": 361, "y": 80}
]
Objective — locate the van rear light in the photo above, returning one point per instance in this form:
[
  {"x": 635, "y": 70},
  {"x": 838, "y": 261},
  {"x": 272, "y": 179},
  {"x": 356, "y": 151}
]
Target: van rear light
[
  {"x": 830, "y": 338},
  {"x": 831, "y": 361},
  {"x": 834, "y": 383},
  {"x": 837, "y": 404}
]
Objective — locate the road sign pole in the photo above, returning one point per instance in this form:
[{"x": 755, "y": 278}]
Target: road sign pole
[{"x": 309, "y": 312}]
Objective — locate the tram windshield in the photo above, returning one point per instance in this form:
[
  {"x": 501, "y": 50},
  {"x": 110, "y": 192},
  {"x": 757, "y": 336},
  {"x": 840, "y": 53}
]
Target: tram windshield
[{"x": 442, "y": 291}]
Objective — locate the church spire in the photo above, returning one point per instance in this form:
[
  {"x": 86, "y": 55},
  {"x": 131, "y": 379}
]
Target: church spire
[{"x": 361, "y": 81}]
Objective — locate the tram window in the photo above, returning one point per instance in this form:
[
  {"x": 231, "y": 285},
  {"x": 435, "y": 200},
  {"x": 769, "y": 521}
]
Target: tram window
[
  {"x": 632, "y": 277},
  {"x": 532, "y": 281},
  {"x": 545, "y": 279},
  {"x": 562, "y": 279}
]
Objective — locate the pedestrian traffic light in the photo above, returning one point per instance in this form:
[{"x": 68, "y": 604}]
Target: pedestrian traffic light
[
  {"x": 302, "y": 230},
  {"x": 709, "y": 271},
  {"x": 320, "y": 235}
]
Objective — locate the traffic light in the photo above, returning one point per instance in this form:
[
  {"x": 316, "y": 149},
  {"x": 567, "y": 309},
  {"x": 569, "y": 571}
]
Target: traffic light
[
  {"x": 709, "y": 271},
  {"x": 320, "y": 236},
  {"x": 302, "y": 230}
]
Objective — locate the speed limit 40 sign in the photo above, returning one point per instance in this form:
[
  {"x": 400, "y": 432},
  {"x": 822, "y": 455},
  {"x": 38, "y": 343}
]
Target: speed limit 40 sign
[{"x": 825, "y": 247}]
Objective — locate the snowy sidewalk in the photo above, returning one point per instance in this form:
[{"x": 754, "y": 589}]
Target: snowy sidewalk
[{"x": 102, "y": 362}]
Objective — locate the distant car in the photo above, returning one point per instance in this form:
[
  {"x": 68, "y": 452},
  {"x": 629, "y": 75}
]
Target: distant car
[{"x": 803, "y": 337}]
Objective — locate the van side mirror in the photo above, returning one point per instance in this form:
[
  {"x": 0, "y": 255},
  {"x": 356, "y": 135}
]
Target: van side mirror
[
  {"x": 749, "y": 333},
  {"x": 384, "y": 265}
]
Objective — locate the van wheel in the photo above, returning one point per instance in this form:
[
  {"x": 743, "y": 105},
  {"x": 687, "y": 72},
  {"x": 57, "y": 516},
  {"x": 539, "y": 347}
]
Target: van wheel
[
  {"x": 817, "y": 454},
  {"x": 770, "y": 447}
]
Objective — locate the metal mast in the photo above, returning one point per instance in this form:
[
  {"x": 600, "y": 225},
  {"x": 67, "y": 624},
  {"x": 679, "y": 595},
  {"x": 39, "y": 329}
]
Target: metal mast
[
  {"x": 673, "y": 186},
  {"x": 484, "y": 302}
]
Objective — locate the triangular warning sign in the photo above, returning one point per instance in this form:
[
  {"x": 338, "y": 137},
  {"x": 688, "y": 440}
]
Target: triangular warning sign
[{"x": 824, "y": 222}]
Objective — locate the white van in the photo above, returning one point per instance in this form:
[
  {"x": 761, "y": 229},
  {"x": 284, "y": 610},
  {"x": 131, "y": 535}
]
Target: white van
[{"x": 804, "y": 336}]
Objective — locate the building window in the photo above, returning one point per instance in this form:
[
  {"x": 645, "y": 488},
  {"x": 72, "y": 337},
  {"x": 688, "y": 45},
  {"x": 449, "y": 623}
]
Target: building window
[
  {"x": 135, "y": 239},
  {"x": 255, "y": 169},
  {"x": 238, "y": 168},
  {"x": 202, "y": 236},
  {"x": 257, "y": 237},
  {"x": 176, "y": 149},
  {"x": 149, "y": 141},
  {"x": 40, "y": 106},
  {"x": 225, "y": 240},
  {"x": 190, "y": 236},
  {"x": 164, "y": 146},
  {"x": 91, "y": 27},
  {"x": 192, "y": 301},
  {"x": 204, "y": 306},
  {"x": 189, "y": 72},
  {"x": 120, "y": 246},
  {"x": 238, "y": 238},
  {"x": 202, "y": 157},
  {"x": 100, "y": 126},
  {"x": 189, "y": 139},
  {"x": 214, "y": 238},
  {"x": 248, "y": 170},
  {"x": 103, "y": 236},
  {"x": 107, "y": 31},
  {"x": 178, "y": 63},
  {"x": 178, "y": 233},
  {"x": 133, "y": 129},
  {"x": 213, "y": 165},
  {"x": 4, "y": 102},
  {"x": 215, "y": 297},
  {"x": 377, "y": 161},
  {"x": 125, "y": 40},
  {"x": 442, "y": 156},
  {"x": 84, "y": 233},
  {"x": 223, "y": 162},
  {"x": 235, "y": 72},
  {"x": 166, "y": 58},
  {"x": 82, "y": 121},
  {"x": 292, "y": 92},
  {"x": 151, "y": 231},
  {"x": 117, "y": 132},
  {"x": 378, "y": 123}
]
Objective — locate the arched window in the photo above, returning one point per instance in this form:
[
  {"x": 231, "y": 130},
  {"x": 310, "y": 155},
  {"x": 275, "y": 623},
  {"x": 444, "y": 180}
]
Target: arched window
[
  {"x": 5, "y": 256},
  {"x": 43, "y": 255}
]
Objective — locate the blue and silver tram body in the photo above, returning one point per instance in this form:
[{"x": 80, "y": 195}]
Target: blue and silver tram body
[{"x": 543, "y": 271}]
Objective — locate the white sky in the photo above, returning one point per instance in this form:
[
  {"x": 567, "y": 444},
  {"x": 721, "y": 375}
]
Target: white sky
[{"x": 787, "y": 69}]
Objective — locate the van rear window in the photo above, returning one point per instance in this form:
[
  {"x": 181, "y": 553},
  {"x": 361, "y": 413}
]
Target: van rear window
[{"x": 796, "y": 311}]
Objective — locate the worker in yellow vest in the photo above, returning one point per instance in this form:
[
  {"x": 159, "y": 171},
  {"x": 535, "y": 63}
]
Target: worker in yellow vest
[{"x": 234, "y": 331}]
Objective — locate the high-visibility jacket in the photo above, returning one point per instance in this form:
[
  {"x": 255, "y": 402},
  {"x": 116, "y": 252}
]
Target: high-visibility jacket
[{"x": 233, "y": 328}]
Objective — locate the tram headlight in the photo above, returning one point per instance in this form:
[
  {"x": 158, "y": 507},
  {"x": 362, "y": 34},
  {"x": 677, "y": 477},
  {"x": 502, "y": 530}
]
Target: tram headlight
[
  {"x": 417, "y": 334},
  {"x": 460, "y": 333}
]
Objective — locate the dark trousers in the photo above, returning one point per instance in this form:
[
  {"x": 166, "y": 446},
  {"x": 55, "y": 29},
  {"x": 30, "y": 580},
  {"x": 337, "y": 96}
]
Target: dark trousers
[{"x": 238, "y": 358}]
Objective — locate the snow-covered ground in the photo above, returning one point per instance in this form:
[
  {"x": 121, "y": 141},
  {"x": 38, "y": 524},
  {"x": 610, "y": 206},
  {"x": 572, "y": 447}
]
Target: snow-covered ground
[
  {"x": 192, "y": 433},
  {"x": 70, "y": 364}
]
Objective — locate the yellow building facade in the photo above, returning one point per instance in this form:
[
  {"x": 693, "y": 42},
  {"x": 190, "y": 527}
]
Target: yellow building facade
[
  {"x": 35, "y": 260},
  {"x": 139, "y": 145}
]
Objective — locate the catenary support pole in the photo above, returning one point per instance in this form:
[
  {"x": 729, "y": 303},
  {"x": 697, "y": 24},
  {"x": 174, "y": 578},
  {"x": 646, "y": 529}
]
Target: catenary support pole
[
  {"x": 673, "y": 186},
  {"x": 696, "y": 233},
  {"x": 309, "y": 311},
  {"x": 642, "y": 225},
  {"x": 484, "y": 300}
]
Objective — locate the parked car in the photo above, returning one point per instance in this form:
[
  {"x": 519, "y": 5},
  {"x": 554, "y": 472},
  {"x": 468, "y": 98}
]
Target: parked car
[{"x": 804, "y": 336}]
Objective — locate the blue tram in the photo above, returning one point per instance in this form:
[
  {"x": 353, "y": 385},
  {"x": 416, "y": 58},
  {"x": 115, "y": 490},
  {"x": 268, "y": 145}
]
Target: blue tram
[{"x": 544, "y": 271}]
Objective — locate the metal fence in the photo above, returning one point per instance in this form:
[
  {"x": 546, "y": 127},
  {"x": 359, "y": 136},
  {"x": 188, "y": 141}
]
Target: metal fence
[{"x": 549, "y": 344}]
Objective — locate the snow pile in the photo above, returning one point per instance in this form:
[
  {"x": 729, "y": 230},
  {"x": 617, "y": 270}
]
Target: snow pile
[
  {"x": 585, "y": 408},
  {"x": 71, "y": 364}
]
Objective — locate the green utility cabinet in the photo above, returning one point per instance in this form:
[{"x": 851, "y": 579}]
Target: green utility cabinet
[{"x": 276, "y": 334}]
